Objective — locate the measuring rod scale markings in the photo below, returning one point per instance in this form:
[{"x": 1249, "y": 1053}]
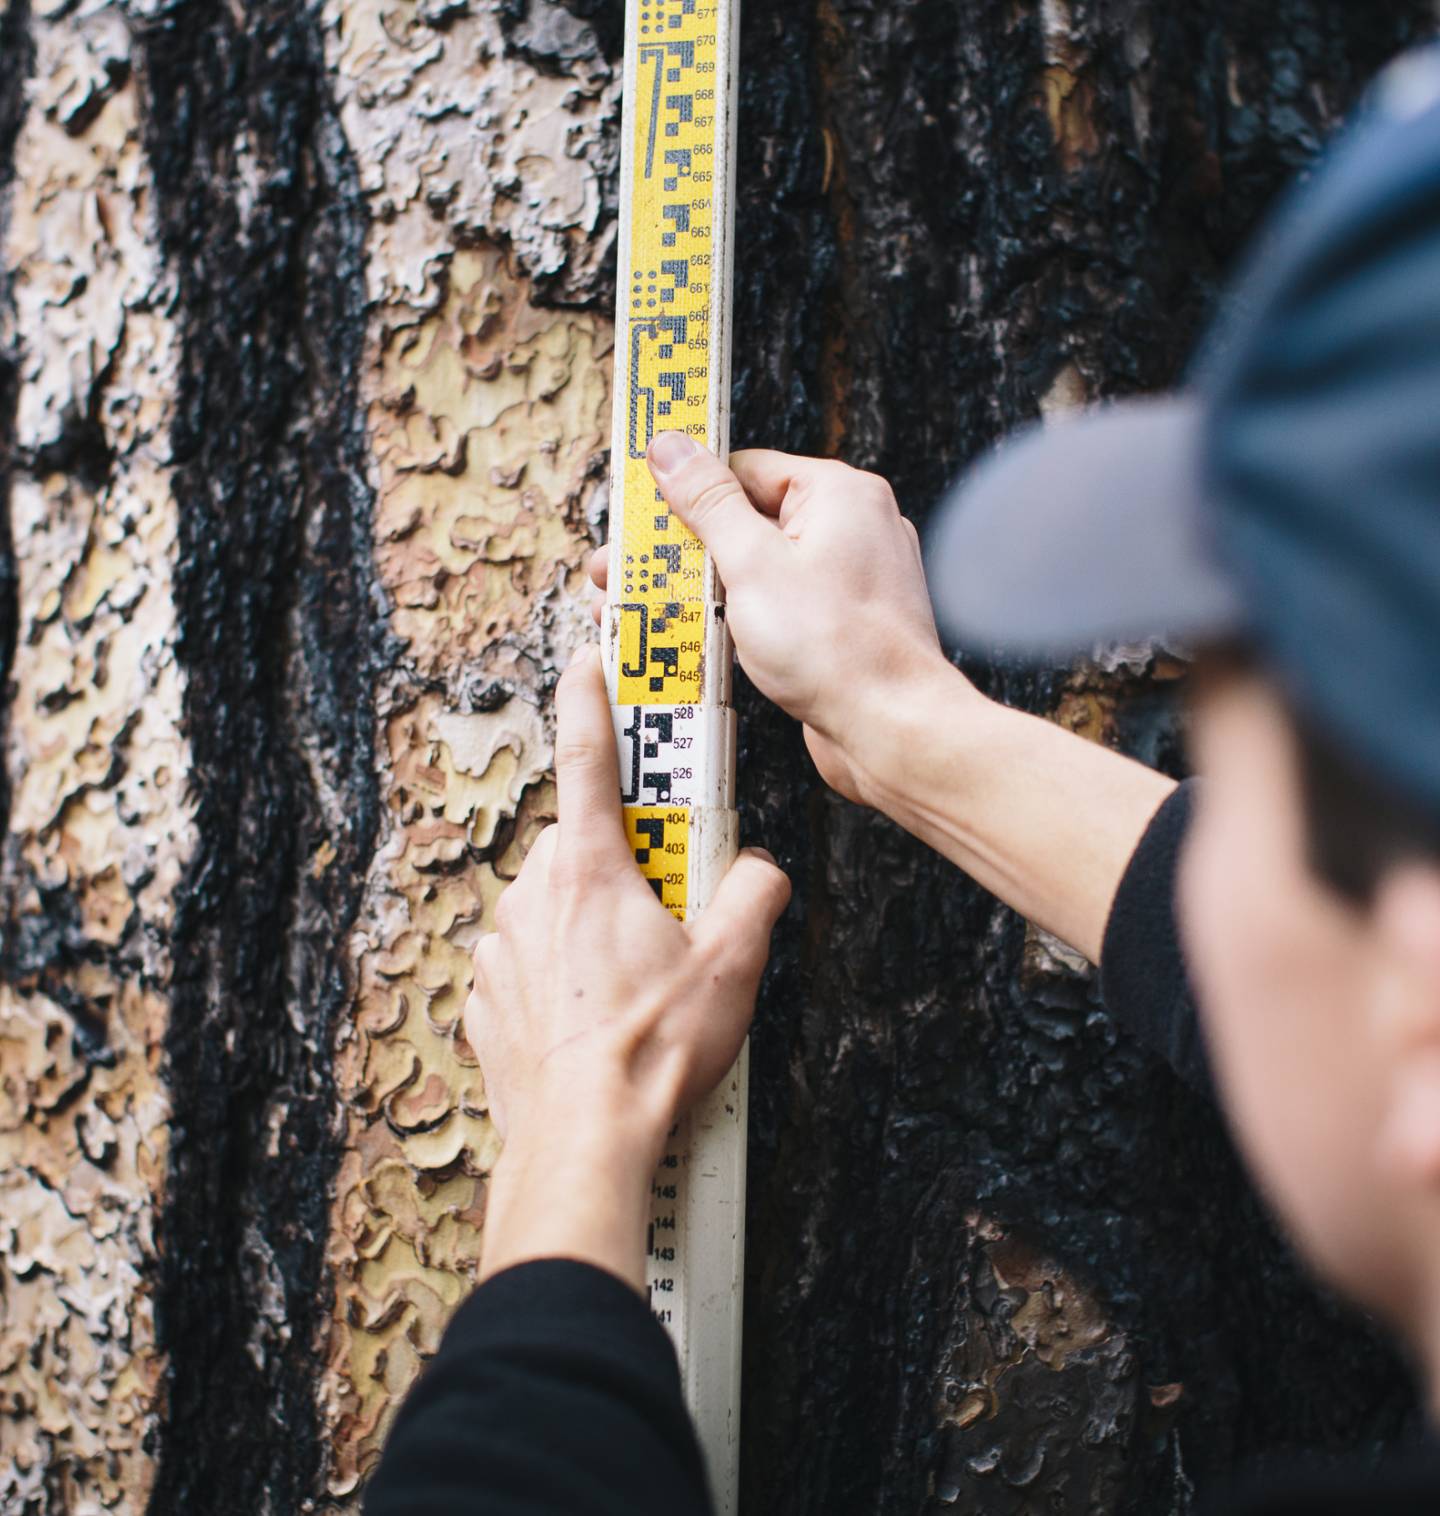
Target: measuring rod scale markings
[{"x": 667, "y": 650}]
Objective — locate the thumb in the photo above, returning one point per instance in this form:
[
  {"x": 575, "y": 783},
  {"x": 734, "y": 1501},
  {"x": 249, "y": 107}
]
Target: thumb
[
  {"x": 711, "y": 501},
  {"x": 744, "y": 910}
]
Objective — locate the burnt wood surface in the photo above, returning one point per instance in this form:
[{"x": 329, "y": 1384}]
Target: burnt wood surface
[
  {"x": 279, "y": 639},
  {"x": 933, "y": 1104}
]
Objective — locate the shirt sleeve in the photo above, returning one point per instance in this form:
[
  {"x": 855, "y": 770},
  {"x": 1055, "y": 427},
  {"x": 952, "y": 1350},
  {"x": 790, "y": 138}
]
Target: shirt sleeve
[
  {"x": 1143, "y": 978},
  {"x": 554, "y": 1391}
]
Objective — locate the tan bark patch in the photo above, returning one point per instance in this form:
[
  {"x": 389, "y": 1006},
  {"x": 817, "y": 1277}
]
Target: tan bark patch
[
  {"x": 488, "y": 419},
  {"x": 97, "y": 766}
]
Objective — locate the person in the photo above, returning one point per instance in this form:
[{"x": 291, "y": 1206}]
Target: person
[{"x": 1279, "y": 517}]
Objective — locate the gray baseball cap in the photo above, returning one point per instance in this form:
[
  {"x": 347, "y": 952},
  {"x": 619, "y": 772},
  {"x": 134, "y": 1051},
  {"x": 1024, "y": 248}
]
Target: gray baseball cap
[{"x": 1288, "y": 494}]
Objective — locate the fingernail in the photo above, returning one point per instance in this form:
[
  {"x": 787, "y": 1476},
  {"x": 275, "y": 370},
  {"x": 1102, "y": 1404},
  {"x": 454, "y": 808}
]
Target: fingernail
[
  {"x": 669, "y": 450},
  {"x": 766, "y": 854},
  {"x": 584, "y": 651}
]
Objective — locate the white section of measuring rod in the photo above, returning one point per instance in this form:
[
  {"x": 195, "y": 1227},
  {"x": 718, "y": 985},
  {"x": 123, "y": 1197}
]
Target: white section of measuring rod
[
  {"x": 714, "y": 837},
  {"x": 679, "y": 755},
  {"x": 698, "y": 1218}
]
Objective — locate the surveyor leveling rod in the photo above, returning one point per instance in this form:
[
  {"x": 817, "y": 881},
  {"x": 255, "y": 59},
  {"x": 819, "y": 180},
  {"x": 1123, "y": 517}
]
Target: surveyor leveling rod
[{"x": 667, "y": 650}]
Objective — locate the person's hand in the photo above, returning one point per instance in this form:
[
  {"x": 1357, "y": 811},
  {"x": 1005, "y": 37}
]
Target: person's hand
[
  {"x": 826, "y": 599},
  {"x": 595, "y": 1015},
  {"x": 825, "y": 593}
]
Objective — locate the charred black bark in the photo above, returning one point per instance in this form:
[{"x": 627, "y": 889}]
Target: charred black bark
[
  {"x": 279, "y": 638},
  {"x": 923, "y": 248},
  {"x": 16, "y": 63}
]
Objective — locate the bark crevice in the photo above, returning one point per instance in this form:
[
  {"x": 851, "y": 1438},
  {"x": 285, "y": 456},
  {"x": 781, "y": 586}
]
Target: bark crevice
[
  {"x": 279, "y": 636},
  {"x": 18, "y": 55}
]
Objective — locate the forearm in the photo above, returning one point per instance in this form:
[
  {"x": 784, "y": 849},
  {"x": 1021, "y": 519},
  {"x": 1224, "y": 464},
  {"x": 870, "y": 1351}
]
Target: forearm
[{"x": 1042, "y": 818}]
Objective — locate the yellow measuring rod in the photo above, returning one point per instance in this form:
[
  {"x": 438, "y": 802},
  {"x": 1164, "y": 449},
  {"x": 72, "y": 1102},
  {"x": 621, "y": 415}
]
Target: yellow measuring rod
[{"x": 667, "y": 651}]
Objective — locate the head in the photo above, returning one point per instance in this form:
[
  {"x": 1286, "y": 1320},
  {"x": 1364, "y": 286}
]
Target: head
[
  {"x": 1309, "y": 906},
  {"x": 1286, "y": 502}
]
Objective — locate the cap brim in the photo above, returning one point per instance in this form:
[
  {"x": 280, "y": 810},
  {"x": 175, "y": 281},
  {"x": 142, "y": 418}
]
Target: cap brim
[{"x": 1083, "y": 531}]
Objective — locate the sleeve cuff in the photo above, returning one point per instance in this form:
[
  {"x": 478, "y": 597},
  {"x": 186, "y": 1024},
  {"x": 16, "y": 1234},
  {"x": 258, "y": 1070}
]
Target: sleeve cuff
[
  {"x": 1143, "y": 979},
  {"x": 566, "y": 1301},
  {"x": 554, "y": 1390}
]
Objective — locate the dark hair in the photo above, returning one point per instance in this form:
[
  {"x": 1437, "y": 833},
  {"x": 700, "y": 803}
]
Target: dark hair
[{"x": 1357, "y": 825}]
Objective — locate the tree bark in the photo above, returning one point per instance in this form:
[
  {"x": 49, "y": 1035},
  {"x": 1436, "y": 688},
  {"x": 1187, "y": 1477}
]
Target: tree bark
[{"x": 304, "y": 400}]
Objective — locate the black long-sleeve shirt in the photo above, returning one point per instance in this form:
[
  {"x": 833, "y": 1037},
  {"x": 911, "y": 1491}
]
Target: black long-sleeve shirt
[{"x": 556, "y": 1393}]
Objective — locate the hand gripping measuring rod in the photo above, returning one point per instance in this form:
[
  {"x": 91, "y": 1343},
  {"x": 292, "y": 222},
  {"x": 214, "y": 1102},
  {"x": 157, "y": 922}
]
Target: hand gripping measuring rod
[{"x": 667, "y": 650}]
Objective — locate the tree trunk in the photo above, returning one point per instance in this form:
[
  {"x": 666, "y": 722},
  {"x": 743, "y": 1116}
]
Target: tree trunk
[{"x": 304, "y": 401}]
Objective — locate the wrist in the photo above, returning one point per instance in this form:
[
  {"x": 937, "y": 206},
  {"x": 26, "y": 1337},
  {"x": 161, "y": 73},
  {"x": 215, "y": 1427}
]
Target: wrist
[
  {"x": 607, "y": 1122},
  {"x": 896, "y": 725},
  {"x": 573, "y": 1181}
]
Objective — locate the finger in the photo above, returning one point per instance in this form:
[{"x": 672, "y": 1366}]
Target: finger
[
  {"x": 540, "y": 852},
  {"x": 598, "y": 567},
  {"x": 767, "y": 475},
  {"x": 709, "y": 499},
  {"x": 597, "y": 607},
  {"x": 483, "y": 961},
  {"x": 780, "y": 483},
  {"x": 743, "y": 913},
  {"x": 472, "y": 1020},
  {"x": 587, "y": 774},
  {"x": 476, "y": 1010}
]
